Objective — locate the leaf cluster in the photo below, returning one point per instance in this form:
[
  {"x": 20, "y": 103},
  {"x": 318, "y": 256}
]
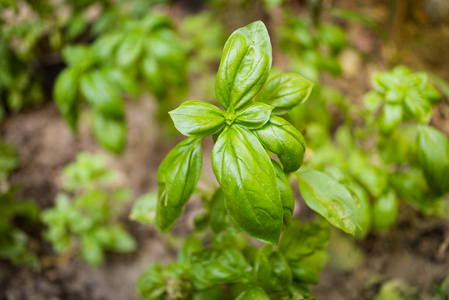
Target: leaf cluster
[
  {"x": 14, "y": 242},
  {"x": 112, "y": 67},
  {"x": 401, "y": 95},
  {"x": 88, "y": 221},
  {"x": 232, "y": 266}
]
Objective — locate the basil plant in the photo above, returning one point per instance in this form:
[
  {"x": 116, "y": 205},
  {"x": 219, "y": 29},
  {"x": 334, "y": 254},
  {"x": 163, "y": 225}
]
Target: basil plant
[{"x": 257, "y": 192}]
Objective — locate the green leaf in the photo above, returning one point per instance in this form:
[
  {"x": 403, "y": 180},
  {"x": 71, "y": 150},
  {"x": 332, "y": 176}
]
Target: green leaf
[
  {"x": 385, "y": 210},
  {"x": 363, "y": 207},
  {"x": 332, "y": 36},
  {"x": 75, "y": 55},
  {"x": 151, "y": 71},
  {"x": 373, "y": 178},
  {"x": 218, "y": 216},
  {"x": 121, "y": 241},
  {"x": 130, "y": 48},
  {"x": 418, "y": 106},
  {"x": 330, "y": 199},
  {"x": 125, "y": 82},
  {"x": 416, "y": 80},
  {"x": 177, "y": 177},
  {"x": 411, "y": 186},
  {"x": 253, "y": 294},
  {"x": 254, "y": 116},
  {"x": 110, "y": 133},
  {"x": 247, "y": 178},
  {"x": 151, "y": 284},
  {"x": 144, "y": 209},
  {"x": 285, "y": 91},
  {"x": 191, "y": 245},
  {"x": 433, "y": 156},
  {"x": 214, "y": 293},
  {"x": 218, "y": 266},
  {"x": 288, "y": 201},
  {"x": 228, "y": 266},
  {"x": 394, "y": 96},
  {"x": 298, "y": 241},
  {"x": 272, "y": 271},
  {"x": 244, "y": 67},
  {"x": 198, "y": 119},
  {"x": 308, "y": 269},
  {"x": 282, "y": 138},
  {"x": 372, "y": 101},
  {"x": 391, "y": 117},
  {"x": 65, "y": 94},
  {"x": 91, "y": 251},
  {"x": 101, "y": 94},
  {"x": 105, "y": 45}
]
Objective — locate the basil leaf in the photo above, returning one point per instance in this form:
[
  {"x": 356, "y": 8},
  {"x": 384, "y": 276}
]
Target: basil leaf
[
  {"x": 144, "y": 209},
  {"x": 228, "y": 266},
  {"x": 282, "y": 138},
  {"x": 197, "y": 118},
  {"x": 394, "y": 96},
  {"x": 218, "y": 216},
  {"x": 247, "y": 178},
  {"x": 418, "y": 107},
  {"x": 177, "y": 177},
  {"x": 272, "y": 271},
  {"x": 390, "y": 118},
  {"x": 372, "y": 101},
  {"x": 101, "y": 94},
  {"x": 123, "y": 81},
  {"x": 411, "y": 186},
  {"x": 308, "y": 269},
  {"x": 416, "y": 80},
  {"x": 385, "y": 210},
  {"x": 104, "y": 46},
  {"x": 213, "y": 293},
  {"x": 151, "y": 72},
  {"x": 433, "y": 156},
  {"x": 130, "y": 47},
  {"x": 151, "y": 284},
  {"x": 285, "y": 92},
  {"x": 363, "y": 207},
  {"x": 253, "y": 294},
  {"x": 245, "y": 65},
  {"x": 330, "y": 199},
  {"x": 110, "y": 133},
  {"x": 65, "y": 94},
  {"x": 74, "y": 55},
  {"x": 299, "y": 241},
  {"x": 374, "y": 179},
  {"x": 254, "y": 116},
  {"x": 91, "y": 250},
  {"x": 288, "y": 201}
]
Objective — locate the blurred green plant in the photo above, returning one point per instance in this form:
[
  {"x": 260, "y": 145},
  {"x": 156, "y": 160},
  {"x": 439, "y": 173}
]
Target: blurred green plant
[
  {"x": 390, "y": 156},
  {"x": 15, "y": 215},
  {"x": 204, "y": 49},
  {"x": 397, "y": 289},
  {"x": 14, "y": 242},
  {"x": 88, "y": 221},
  {"x": 112, "y": 67}
]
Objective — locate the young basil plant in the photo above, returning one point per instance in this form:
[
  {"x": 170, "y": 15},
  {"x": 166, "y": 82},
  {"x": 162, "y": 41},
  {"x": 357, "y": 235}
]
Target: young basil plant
[
  {"x": 256, "y": 194},
  {"x": 403, "y": 95},
  {"x": 88, "y": 222},
  {"x": 112, "y": 66}
]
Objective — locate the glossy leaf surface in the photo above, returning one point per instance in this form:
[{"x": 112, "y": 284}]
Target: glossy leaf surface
[{"x": 248, "y": 180}]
